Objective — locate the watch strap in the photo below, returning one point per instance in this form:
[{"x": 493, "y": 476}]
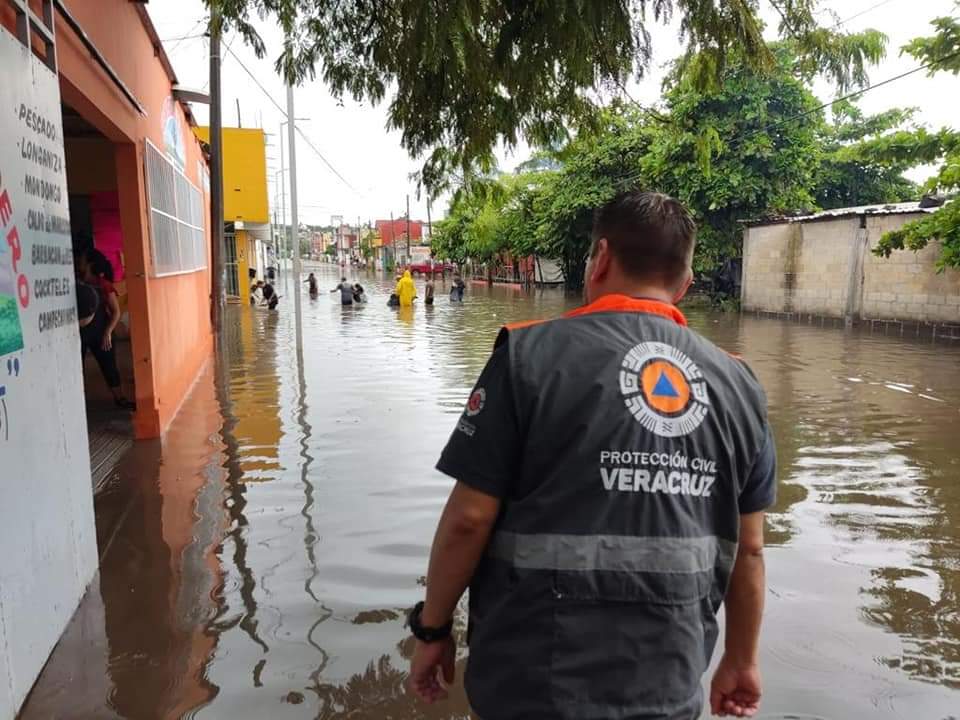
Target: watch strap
[{"x": 423, "y": 632}]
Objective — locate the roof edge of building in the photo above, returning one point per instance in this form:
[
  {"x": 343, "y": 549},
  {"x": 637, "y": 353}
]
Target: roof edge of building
[
  {"x": 162, "y": 56},
  {"x": 876, "y": 209}
]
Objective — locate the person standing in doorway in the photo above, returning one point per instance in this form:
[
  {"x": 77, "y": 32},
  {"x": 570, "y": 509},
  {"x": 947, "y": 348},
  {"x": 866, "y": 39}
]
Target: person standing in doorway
[
  {"x": 96, "y": 336},
  {"x": 346, "y": 292},
  {"x": 612, "y": 468}
]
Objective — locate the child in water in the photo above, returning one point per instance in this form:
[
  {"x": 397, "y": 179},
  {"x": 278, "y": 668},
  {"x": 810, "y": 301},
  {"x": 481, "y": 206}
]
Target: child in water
[{"x": 428, "y": 292}]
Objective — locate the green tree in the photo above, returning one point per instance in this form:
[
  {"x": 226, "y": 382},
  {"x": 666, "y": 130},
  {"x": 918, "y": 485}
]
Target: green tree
[
  {"x": 940, "y": 52},
  {"x": 849, "y": 176},
  {"x": 596, "y": 166},
  {"x": 747, "y": 149},
  {"x": 756, "y": 145},
  {"x": 470, "y": 229},
  {"x": 464, "y": 75}
]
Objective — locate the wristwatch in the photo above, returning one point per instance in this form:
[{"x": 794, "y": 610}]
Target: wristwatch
[{"x": 422, "y": 632}]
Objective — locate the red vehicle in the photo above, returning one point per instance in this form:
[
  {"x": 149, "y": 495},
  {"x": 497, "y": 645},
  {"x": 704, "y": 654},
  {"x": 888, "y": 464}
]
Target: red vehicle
[{"x": 426, "y": 267}]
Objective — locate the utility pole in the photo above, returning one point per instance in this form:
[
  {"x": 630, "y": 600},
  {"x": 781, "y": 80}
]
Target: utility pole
[
  {"x": 216, "y": 173},
  {"x": 409, "y": 257},
  {"x": 276, "y": 234},
  {"x": 283, "y": 198},
  {"x": 294, "y": 220}
]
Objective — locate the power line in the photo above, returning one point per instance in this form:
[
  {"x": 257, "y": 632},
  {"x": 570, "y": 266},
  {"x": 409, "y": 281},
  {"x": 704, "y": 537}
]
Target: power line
[
  {"x": 325, "y": 161},
  {"x": 182, "y": 37},
  {"x": 862, "y": 12},
  {"x": 187, "y": 36},
  {"x": 257, "y": 82},
  {"x": 793, "y": 32},
  {"x": 854, "y": 94},
  {"x": 284, "y": 112}
]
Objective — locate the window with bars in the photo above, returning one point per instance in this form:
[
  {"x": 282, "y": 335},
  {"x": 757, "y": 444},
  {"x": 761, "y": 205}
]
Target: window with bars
[{"x": 177, "y": 240}]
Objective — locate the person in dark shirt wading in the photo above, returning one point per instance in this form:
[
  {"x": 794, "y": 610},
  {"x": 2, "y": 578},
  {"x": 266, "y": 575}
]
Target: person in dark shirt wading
[
  {"x": 612, "y": 470},
  {"x": 346, "y": 292}
]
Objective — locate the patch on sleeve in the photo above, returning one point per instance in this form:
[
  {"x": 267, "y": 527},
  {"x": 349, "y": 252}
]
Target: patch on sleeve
[{"x": 476, "y": 402}]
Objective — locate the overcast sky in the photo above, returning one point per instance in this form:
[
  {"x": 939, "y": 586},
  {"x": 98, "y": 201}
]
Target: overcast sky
[{"x": 354, "y": 140}]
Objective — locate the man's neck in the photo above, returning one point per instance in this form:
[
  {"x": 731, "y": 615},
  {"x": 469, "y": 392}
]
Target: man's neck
[{"x": 647, "y": 292}]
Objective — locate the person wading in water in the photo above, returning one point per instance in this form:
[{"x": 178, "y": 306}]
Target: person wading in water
[
  {"x": 406, "y": 291},
  {"x": 346, "y": 292},
  {"x": 612, "y": 469}
]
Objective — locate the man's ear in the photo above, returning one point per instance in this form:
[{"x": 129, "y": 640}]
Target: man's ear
[
  {"x": 600, "y": 262},
  {"x": 684, "y": 286}
]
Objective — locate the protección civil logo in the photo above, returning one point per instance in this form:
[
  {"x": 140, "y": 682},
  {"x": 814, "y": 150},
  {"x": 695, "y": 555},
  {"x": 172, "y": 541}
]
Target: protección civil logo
[{"x": 664, "y": 389}]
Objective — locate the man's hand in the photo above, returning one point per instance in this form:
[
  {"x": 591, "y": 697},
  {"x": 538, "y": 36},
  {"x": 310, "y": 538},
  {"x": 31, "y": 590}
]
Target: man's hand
[
  {"x": 107, "y": 341},
  {"x": 735, "y": 690},
  {"x": 429, "y": 661}
]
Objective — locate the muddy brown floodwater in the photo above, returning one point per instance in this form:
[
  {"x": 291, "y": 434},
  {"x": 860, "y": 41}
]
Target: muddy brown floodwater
[{"x": 258, "y": 562}]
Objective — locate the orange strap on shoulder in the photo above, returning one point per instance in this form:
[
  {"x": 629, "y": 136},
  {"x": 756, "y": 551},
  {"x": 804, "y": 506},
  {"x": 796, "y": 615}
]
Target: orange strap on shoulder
[{"x": 522, "y": 324}]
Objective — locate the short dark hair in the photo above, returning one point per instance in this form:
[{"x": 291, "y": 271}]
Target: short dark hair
[
  {"x": 99, "y": 264},
  {"x": 651, "y": 235}
]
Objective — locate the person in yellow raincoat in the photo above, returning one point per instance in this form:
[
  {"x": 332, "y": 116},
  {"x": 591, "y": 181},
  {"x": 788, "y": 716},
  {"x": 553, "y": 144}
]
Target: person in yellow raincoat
[{"x": 406, "y": 290}]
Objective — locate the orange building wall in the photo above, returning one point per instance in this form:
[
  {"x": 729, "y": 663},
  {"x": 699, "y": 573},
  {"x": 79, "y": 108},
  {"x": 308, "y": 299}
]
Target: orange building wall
[{"x": 170, "y": 317}]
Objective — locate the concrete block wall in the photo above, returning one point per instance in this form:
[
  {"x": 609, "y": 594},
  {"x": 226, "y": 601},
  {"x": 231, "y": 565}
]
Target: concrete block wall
[
  {"x": 821, "y": 258},
  {"x": 813, "y": 267},
  {"x": 764, "y": 281},
  {"x": 906, "y": 286}
]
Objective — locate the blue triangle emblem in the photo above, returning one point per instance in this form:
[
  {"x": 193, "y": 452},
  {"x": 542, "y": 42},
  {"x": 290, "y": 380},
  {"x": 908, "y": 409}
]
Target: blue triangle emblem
[{"x": 665, "y": 388}]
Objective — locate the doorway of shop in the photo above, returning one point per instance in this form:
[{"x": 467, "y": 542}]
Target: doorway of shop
[{"x": 98, "y": 241}]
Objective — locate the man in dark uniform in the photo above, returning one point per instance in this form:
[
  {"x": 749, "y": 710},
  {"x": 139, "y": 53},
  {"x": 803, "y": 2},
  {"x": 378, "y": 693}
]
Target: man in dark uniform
[{"x": 612, "y": 471}]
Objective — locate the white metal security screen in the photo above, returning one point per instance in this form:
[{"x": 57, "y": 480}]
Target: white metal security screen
[{"x": 177, "y": 239}]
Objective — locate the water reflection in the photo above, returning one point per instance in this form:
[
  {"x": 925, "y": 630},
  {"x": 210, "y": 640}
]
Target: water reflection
[
  {"x": 138, "y": 646},
  {"x": 865, "y": 431},
  {"x": 272, "y": 546}
]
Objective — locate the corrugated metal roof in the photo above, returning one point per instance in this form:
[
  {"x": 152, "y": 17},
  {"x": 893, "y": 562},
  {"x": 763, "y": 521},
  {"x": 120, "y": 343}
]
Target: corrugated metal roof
[{"x": 876, "y": 209}]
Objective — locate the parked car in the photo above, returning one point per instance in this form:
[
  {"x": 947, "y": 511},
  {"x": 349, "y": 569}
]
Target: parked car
[{"x": 424, "y": 268}]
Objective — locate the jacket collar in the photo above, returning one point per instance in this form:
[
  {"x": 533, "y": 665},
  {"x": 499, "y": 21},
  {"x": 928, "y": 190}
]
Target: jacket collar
[{"x": 625, "y": 303}]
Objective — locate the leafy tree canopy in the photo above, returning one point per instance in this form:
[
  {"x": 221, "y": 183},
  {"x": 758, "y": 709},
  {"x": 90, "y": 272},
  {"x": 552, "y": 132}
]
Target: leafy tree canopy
[
  {"x": 941, "y": 53},
  {"x": 758, "y": 144},
  {"x": 464, "y": 75},
  {"x": 749, "y": 148},
  {"x": 849, "y": 173}
]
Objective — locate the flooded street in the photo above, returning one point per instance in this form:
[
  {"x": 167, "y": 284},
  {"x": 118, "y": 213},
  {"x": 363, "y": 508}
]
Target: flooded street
[{"x": 258, "y": 564}]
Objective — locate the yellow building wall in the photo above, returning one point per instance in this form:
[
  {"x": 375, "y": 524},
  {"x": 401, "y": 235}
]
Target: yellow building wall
[{"x": 244, "y": 174}]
